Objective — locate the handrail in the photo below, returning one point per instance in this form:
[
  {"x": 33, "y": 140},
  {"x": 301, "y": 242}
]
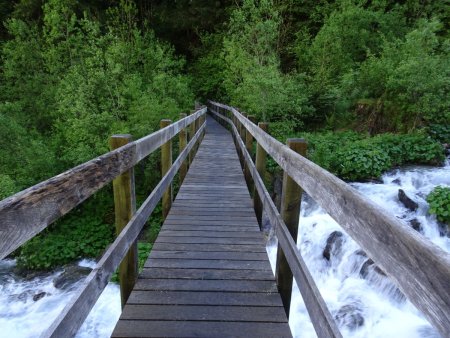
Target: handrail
[
  {"x": 321, "y": 318},
  {"x": 76, "y": 311},
  {"x": 419, "y": 267},
  {"x": 25, "y": 214}
]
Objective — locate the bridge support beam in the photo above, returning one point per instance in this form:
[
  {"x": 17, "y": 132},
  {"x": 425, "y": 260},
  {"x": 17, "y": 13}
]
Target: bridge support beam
[
  {"x": 291, "y": 197},
  {"x": 166, "y": 163},
  {"x": 125, "y": 207},
  {"x": 260, "y": 164}
]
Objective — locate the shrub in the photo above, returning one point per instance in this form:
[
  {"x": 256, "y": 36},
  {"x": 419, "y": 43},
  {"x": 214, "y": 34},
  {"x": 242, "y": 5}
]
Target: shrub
[
  {"x": 85, "y": 232},
  {"x": 360, "y": 160},
  {"x": 439, "y": 201}
]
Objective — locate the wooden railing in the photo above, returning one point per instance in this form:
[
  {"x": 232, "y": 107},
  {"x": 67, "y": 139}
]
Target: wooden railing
[
  {"x": 418, "y": 267},
  {"x": 25, "y": 214}
]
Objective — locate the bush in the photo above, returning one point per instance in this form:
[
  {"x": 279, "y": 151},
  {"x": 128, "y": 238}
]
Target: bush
[
  {"x": 439, "y": 201},
  {"x": 361, "y": 160},
  {"x": 83, "y": 233},
  {"x": 353, "y": 156}
]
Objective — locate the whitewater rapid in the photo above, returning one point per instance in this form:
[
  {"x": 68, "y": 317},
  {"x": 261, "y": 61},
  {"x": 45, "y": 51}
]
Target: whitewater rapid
[
  {"x": 373, "y": 306},
  {"x": 366, "y": 304},
  {"x": 22, "y": 316}
]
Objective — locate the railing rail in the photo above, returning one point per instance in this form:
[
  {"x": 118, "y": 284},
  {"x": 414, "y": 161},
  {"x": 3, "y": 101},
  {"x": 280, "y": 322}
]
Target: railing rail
[
  {"x": 419, "y": 267},
  {"x": 321, "y": 318},
  {"x": 26, "y": 213}
]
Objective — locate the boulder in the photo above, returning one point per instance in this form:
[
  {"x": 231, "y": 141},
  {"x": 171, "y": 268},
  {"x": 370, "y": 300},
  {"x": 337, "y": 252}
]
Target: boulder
[
  {"x": 397, "y": 181},
  {"x": 364, "y": 271},
  {"x": 416, "y": 225},
  {"x": 70, "y": 275},
  {"x": 350, "y": 316},
  {"x": 407, "y": 202},
  {"x": 39, "y": 295},
  {"x": 334, "y": 245}
]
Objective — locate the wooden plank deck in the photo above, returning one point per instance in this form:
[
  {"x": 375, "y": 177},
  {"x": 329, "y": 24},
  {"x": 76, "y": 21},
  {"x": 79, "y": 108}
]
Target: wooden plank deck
[{"x": 208, "y": 274}]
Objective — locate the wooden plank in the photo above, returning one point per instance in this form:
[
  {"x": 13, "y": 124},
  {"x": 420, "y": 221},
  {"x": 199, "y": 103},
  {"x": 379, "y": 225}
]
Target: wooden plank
[
  {"x": 139, "y": 328},
  {"x": 209, "y": 247},
  {"x": 204, "y": 298},
  {"x": 75, "y": 312},
  {"x": 218, "y": 234},
  {"x": 201, "y": 222},
  {"x": 203, "y": 313},
  {"x": 207, "y": 240},
  {"x": 215, "y": 274},
  {"x": 420, "y": 268},
  {"x": 206, "y": 285},
  {"x": 215, "y": 228},
  {"x": 207, "y": 264},
  {"x": 253, "y": 256},
  {"x": 30, "y": 211}
]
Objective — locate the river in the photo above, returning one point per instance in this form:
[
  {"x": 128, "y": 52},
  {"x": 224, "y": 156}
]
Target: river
[{"x": 365, "y": 303}]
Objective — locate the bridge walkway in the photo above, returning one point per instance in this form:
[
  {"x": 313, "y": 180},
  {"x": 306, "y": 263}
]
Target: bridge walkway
[{"x": 208, "y": 274}]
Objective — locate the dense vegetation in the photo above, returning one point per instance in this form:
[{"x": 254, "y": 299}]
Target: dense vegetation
[
  {"x": 439, "y": 200},
  {"x": 366, "y": 82}
]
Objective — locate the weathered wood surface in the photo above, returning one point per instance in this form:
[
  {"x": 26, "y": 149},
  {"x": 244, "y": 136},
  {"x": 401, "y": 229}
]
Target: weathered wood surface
[
  {"x": 208, "y": 273},
  {"x": 319, "y": 314},
  {"x": 28, "y": 212},
  {"x": 166, "y": 163},
  {"x": 291, "y": 197},
  {"x": 420, "y": 268},
  {"x": 124, "y": 209},
  {"x": 76, "y": 311}
]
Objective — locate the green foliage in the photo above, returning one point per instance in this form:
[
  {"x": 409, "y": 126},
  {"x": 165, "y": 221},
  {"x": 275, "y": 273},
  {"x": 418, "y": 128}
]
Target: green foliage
[
  {"x": 439, "y": 201},
  {"x": 355, "y": 157},
  {"x": 410, "y": 78},
  {"x": 359, "y": 161},
  {"x": 252, "y": 77},
  {"x": 82, "y": 233},
  {"x": 440, "y": 133},
  {"x": 68, "y": 82}
]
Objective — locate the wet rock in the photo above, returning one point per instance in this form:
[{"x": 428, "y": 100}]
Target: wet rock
[
  {"x": 39, "y": 295},
  {"x": 416, "y": 225},
  {"x": 350, "y": 316},
  {"x": 407, "y": 202},
  {"x": 334, "y": 245},
  {"x": 70, "y": 275},
  {"x": 397, "y": 181},
  {"x": 365, "y": 269},
  {"x": 360, "y": 253}
]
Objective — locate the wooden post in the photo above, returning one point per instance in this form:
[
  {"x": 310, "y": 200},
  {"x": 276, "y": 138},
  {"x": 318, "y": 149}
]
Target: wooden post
[
  {"x": 260, "y": 164},
  {"x": 166, "y": 163},
  {"x": 182, "y": 143},
  {"x": 191, "y": 135},
  {"x": 249, "y": 147},
  {"x": 125, "y": 207},
  {"x": 291, "y": 197}
]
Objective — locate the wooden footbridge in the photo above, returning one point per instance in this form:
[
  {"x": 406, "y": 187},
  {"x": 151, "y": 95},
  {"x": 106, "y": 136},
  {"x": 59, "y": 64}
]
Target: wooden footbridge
[{"x": 208, "y": 274}]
